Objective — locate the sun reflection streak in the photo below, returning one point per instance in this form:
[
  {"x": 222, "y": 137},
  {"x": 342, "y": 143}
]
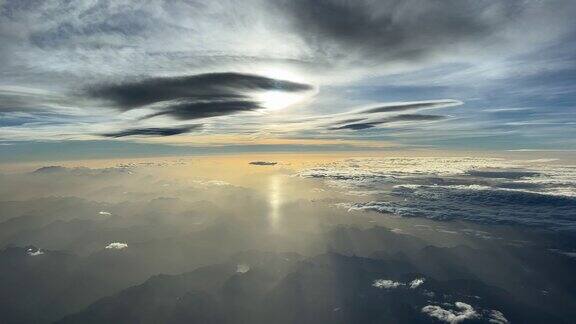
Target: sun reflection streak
[{"x": 275, "y": 201}]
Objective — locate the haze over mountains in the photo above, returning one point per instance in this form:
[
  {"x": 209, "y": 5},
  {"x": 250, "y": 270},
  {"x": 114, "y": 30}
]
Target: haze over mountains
[{"x": 182, "y": 241}]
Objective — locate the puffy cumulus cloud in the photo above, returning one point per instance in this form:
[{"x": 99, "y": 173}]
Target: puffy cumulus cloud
[
  {"x": 391, "y": 284},
  {"x": 34, "y": 251},
  {"x": 460, "y": 313},
  {"x": 116, "y": 246},
  {"x": 497, "y": 317},
  {"x": 416, "y": 283},
  {"x": 242, "y": 268},
  {"x": 386, "y": 284}
]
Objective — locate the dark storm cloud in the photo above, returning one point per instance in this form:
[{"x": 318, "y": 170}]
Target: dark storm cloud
[
  {"x": 393, "y": 119},
  {"x": 195, "y": 96},
  {"x": 154, "y": 131},
  {"x": 398, "y": 30}
]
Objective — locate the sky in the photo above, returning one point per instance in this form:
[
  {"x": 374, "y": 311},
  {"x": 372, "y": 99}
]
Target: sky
[{"x": 109, "y": 78}]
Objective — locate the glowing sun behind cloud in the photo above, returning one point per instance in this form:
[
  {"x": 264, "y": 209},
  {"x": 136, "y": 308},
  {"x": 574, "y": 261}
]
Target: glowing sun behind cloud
[{"x": 276, "y": 99}]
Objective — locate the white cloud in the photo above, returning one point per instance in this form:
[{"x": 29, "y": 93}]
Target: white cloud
[
  {"x": 32, "y": 252},
  {"x": 391, "y": 284},
  {"x": 104, "y": 213},
  {"x": 117, "y": 246},
  {"x": 462, "y": 312},
  {"x": 242, "y": 268},
  {"x": 497, "y": 317},
  {"x": 416, "y": 283},
  {"x": 386, "y": 284}
]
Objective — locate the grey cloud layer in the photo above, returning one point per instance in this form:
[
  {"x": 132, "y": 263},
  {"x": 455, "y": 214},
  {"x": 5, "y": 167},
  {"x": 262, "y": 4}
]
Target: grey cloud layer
[
  {"x": 383, "y": 31},
  {"x": 407, "y": 31}
]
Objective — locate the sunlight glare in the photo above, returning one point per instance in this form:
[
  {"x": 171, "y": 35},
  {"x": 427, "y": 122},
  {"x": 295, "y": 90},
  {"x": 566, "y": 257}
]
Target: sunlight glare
[{"x": 276, "y": 100}]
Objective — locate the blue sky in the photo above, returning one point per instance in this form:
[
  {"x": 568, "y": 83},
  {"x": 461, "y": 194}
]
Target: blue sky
[{"x": 167, "y": 77}]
